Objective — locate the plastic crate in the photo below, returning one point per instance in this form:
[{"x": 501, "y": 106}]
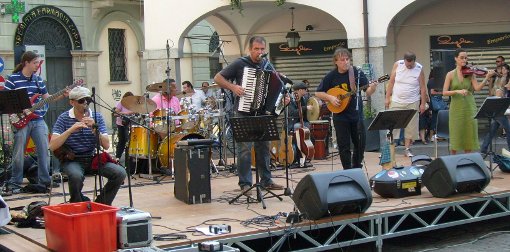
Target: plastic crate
[{"x": 80, "y": 227}]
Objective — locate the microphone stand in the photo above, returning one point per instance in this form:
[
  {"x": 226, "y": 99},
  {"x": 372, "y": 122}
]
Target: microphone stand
[
  {"x": 168, "y": 119},
  {"x": 268, "y": 65},
  {"x": 361, "y": 125},
  {"x": 98, "y": 144},
  {"x": 227, "y": 97},
  {"x": 131, "y": 121}
]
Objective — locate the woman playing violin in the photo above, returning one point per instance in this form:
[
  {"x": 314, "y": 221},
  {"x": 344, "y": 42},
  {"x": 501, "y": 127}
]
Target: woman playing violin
[
  {"x": 497, "y": 85},
  {"x": 463, "y": 127}
]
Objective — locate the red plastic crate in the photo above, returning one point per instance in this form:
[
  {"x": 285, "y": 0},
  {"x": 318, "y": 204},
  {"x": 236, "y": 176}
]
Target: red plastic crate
[{"x": 80, "y": 227}]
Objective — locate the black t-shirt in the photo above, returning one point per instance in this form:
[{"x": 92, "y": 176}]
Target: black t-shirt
[{"x": 336, "y": 79}]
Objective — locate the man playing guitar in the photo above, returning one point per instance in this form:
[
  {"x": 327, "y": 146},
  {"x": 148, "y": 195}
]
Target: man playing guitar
[
  {"x": 24, "y": 77},
  {"x": 349, "y": 122}
]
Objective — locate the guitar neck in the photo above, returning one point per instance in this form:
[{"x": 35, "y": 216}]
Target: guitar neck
[{"x": 52, "y": 98}]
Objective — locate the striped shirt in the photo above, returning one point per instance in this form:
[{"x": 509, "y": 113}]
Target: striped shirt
[
  {"x": 34, "y": 85},
  {"x": 83, "y": 141}
]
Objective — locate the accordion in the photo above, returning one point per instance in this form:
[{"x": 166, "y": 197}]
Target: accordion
[{"x": 263, "y": 93}]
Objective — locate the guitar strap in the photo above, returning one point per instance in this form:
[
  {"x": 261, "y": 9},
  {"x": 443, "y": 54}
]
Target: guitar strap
[{"x": 352, "y": 82}]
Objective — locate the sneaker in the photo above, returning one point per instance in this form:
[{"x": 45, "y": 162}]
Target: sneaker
[
  {"x": 246, "y": 190},
  {"x": 408, "y": 152},
  {"x": 274, "y": 186}
]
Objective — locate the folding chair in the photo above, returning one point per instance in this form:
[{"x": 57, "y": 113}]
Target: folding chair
[{"x": 442, "y": 130}]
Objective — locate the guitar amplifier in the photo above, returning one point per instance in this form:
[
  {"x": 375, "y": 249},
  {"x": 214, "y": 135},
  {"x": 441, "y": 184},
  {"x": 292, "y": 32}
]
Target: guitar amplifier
[
  {"x": 192, "y": 167},
  {"x": 398, "y": 182},
  {"x": 134, "y": 228}
]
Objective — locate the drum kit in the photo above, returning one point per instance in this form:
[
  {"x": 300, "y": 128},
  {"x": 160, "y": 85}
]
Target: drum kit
[{"x": 152, "y": 130}]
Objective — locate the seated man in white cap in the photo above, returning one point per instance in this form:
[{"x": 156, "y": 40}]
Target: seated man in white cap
[{"x": 75, "y": 130}]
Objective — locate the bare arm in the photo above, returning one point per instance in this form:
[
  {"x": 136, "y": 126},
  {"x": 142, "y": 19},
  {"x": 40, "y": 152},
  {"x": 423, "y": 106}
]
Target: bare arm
[
  {"x": 328, "y": 98},
  {"x": 423, "y": 92},
  {"x": 391, "y": 83},
  {"x": 58, "y": 140},
  {"x": 224, "y": 83}
]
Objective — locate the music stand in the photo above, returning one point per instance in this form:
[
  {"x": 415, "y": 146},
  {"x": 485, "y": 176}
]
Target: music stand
[
  {"x": 491, "y": 108},
  {"x": 390, "y": 120},
  {"x": 11, "y": 102},
  {"x": 255, "y": 129}
]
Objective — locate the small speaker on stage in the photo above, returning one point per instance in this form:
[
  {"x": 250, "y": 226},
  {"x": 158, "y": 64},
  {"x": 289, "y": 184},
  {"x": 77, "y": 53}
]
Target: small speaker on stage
[
  {"x": 398, "y": 182},
  {"x": 193, "y": 174},
  {"x": 338, "y": 192},
  {"x": 452, "y": 174},
  {"x": 134, "y": 228}
]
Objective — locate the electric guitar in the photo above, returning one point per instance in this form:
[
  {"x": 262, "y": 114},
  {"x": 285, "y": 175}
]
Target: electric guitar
[
  {"x": 21, "y": 120},
  {"x": 345, "y": 97}
]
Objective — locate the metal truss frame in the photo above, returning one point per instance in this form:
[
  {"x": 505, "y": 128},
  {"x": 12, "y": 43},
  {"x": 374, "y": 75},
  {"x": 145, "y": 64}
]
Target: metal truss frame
[{"x": 377, "y": 227}]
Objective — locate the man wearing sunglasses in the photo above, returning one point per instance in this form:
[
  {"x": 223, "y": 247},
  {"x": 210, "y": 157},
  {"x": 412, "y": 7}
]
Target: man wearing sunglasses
[{"x": 77, "y": 130}]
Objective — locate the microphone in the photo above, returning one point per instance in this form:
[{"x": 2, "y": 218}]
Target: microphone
[
  {"x": 93, "y": 91},
  {"x": 167, "y": 49},
  {"x": 286, "y": 79},
  {"x": 261, "y": 56}
]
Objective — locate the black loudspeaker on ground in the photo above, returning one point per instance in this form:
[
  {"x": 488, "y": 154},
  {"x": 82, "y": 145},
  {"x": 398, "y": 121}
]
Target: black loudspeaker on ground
[
  {"x": 452, "y": 174},
  {"x": 332, "y": 193}
]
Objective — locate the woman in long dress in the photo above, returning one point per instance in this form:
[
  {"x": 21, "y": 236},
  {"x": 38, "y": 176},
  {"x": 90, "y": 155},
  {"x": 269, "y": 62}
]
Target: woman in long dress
[{"x": 462, "y": 125}]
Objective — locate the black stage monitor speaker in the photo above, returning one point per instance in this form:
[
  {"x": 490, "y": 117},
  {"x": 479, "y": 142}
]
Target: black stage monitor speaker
[
  {"x": 193, "y": 174},
  {"x": 461, "y": 173},
  {"x": 338, "y": 192}
]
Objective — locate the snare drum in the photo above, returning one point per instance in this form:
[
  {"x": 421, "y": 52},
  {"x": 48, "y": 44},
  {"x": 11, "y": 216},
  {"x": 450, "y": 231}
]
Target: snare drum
[
  {"x": 139, "y": 143},
  {"x": 319, "y": 130},
  {"x": 163, "y": 149},
  {"x": 190, "y": 121},
  {"x": 160, "y": 120}
]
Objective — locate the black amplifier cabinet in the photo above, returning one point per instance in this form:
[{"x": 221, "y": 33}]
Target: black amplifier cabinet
[
  {"x": 134, "y": 228},
  {"x": 398, "y": 182},
  {"x": 192, "y": 167}
]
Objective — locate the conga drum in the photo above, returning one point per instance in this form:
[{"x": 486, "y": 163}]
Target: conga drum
[{"x": 319, "y": 130}]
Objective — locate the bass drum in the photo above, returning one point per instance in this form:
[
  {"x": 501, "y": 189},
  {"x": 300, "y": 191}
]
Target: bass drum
[{"x": 163, "y": 150}]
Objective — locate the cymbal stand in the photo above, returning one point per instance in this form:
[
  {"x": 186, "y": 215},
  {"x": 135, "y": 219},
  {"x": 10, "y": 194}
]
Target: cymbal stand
[
  {"x": 221, "y": 123},
  {"x": 149, "y": 157},
  {"x": 167, "y": 117}
]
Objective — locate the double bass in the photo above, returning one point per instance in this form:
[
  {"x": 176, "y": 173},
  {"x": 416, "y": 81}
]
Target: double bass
[{"x": 303, "y": 141}]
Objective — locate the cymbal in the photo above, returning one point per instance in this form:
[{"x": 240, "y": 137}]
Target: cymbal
[
  {"x": 314, "y": 113},
  {"x": 156, "y": 87},
  {"x": 182, "y": 95},
  {"x": 138, "y": 104}
]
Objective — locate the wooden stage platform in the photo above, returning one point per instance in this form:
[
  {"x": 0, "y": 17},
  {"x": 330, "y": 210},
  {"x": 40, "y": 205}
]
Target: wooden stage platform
[{"x": 258, "y": 229}]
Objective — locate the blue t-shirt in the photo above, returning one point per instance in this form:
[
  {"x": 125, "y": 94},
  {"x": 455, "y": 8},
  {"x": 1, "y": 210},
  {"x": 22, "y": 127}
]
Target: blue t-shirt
[
  {"x": 336, "y": 79},
  {"x": 83, "y": 141},
  {"x": 34, "y": 85}
]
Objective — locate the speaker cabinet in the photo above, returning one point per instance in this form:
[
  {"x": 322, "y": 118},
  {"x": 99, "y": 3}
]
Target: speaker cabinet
[
  {"x": 134, "y": 228},
  {"x": 333, "y": 193},
  {"x": 461, "y": 173},
  {"x": 192, "y": 174}
]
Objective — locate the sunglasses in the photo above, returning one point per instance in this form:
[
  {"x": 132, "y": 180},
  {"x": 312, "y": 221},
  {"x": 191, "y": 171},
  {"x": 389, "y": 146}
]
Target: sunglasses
[{"x": 85, "y": 99}]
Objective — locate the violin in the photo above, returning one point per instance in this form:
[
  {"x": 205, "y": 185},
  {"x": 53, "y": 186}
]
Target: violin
[{"x": 470, "y": 70}]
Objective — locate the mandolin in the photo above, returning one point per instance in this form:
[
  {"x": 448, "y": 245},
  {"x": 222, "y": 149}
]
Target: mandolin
[
  {"x": 345, "y": 96},
  {"x": 303, "y": 141}
]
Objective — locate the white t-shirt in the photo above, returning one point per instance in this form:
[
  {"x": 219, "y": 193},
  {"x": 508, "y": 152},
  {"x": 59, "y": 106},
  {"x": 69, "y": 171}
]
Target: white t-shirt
[{"x": 407, "y": 83}]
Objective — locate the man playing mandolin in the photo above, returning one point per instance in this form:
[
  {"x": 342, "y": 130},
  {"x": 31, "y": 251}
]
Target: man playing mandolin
[
  {"x": 24, "y": 76},
  {"x": 348, "y": 121}
]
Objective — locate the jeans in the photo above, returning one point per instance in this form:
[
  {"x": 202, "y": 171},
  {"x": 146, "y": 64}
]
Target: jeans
[
  {"x": 75, "y": 171},
  {"x": 495, "y": 124},
  {"x": 261, "y": 159},
  {"x": 123, "y": 133},
  {"x": 345, "y": 133},
  {"x": 38, "y": 130}
]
